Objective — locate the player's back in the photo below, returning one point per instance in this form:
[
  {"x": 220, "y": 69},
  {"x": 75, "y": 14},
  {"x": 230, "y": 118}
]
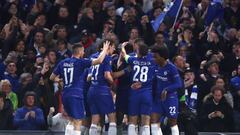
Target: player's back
[
  {"x": 142, "y": 71},
  {"x": 71, "y": 71},
  {"x": 98, "y": 71}
]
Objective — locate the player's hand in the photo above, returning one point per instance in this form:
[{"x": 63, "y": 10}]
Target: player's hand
[
  {"x": 123, "y": 48},
  {"x": 163, "y": 95},
  {"x": 106, "y": 45},
  {"x": 136, "y": 85},
  {"x": 124, "y": 44}
]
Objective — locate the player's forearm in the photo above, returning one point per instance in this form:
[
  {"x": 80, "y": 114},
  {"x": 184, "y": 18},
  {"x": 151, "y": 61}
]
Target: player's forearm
[
  {"x": 118, "y": 74},
  {"x": 175, "y": 86},
  {"x": 100, "y": 59}
]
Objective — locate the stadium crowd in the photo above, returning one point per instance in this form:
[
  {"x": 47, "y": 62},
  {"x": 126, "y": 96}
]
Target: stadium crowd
[{"x": 35, "y": 35}]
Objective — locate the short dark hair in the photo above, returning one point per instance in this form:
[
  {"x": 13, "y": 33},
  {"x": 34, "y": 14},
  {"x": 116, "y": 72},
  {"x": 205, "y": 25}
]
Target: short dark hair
[
  {"x": 103, "y": 41},
  {"x": 161, "y": 50},
  {"x": 216, "y": 87},
  {"x": 27, "y": 94},
  {"x": 143, "y": 49},
  {"x": 75, "y": 47},
  {"x": 61, "y": 41},
  {"x": 138, "y": 41}
]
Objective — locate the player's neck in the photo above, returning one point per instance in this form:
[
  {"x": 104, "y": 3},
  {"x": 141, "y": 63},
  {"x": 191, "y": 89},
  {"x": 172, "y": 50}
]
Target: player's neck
[
  {"x": 162, "y": 64},
  {"x": 76, "y": 56}
]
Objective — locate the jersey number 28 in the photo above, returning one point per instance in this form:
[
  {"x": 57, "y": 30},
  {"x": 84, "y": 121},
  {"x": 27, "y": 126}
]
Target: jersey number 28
[{"x": 143, "y": 71}]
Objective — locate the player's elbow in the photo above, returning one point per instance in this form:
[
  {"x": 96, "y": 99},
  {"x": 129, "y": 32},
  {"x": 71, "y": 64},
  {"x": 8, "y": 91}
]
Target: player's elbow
[{"x": 109, "y": 77}]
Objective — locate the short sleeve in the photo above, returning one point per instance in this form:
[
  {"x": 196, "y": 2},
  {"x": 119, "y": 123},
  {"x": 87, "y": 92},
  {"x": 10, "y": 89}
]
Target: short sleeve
[
  {"x": 57, "y": 69},
  {"x": 107, "y": 65},
  {"x": 131, "y": 59},
  {"x": 174, "y": 72},
  {"x": 87, "y": 62}
]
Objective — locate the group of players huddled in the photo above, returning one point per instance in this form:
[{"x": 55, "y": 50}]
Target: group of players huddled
[{"x": 144, "y": 80}]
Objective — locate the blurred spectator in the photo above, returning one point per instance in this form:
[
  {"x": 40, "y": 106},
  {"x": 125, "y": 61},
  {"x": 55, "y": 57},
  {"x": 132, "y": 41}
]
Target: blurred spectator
[
  {"x": 6, "y": 88},
  {"x": 232, "y": 14},
  {"x": 11, "y": 75},
  {"x": 208, "y": 79},
  {"x": 216, "y": 113},
  {"x": 38, "y": 42},
  {"x": 188, "y": 112},
  {"x": 57, "y": 122},
  {"x": 235, "y": 85},
  {"x": 6, "y": 113},
  {"x": 62, "y": 51},
  {"x": 88, "y": 43},
  {"x": 29, "y": 117}
]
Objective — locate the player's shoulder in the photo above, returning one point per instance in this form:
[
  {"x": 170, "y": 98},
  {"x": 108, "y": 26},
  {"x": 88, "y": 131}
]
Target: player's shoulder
[
  {"x": 170, "y": 65},
  {"x": 94, "y": 56}
]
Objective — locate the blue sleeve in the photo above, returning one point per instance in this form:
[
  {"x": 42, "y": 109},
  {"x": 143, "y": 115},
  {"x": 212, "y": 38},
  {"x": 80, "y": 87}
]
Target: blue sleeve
[
  {"x": 130, "y": 60},
  {"x": 87, "y": 62},
  {"x": 107, "y": 65},
  {"x": 57, "y": 69},
  {"x": 39, "y": 117},
  {"x": 19, "y": 118},
  {"x": 177, "y": 81}
]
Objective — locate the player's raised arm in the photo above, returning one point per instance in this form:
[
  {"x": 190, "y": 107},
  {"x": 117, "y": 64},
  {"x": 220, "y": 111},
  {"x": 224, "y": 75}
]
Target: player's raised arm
[
  {"x": 124, "y": 53},
  {"x": 101, "y": 57}
]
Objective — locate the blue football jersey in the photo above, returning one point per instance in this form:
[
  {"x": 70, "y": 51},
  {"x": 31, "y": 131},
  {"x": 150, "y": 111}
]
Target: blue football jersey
[
  {"x": 97, "y": 71},
  {"x": 167, "y": 78},
  {"x": 142, "y": 71},
  {"x": 71, "y": 71}
]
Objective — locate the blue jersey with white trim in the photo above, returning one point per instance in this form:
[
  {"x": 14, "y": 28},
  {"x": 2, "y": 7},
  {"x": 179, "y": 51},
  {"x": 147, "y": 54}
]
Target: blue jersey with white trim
[
  {"x": 98, "y": 71},
  {"x": 167, "y": 78},
  {"x": 71, "y": 71}
]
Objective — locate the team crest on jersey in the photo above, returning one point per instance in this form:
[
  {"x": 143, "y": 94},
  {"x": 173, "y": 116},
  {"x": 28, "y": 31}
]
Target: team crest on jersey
[{"x": 165, "y": 72}]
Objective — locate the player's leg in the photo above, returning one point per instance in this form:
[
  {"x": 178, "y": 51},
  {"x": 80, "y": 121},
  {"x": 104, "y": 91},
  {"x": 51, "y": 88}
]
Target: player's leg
[
  {"x": 86, "y": 122},
  {"x": 145, "y": 111},
  {"x": 155, "y": 124},
  {"x": 92, "y": 102},
  {"x": 174, "y": 127},
  {"x": 171, "y": 107},
  {"x": 121, "y": 109},
  {"x": 106, "y": 106},
  {"x": 69, "y": 128},
  {"x": 112, "y": 124},
  {"x": 74, "y": 107},
  {"x": 145, "y": 122},
  {"x": 85, "y": 126},
  {"x": 133, "y": 112},
  {"x": 157, "y": 110},
  {"x": 94, "y": 125},
  {"x": 132, "y": 125},
  {"x": 120, "y": 116},
  {"x": 77, "y": 124}
]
